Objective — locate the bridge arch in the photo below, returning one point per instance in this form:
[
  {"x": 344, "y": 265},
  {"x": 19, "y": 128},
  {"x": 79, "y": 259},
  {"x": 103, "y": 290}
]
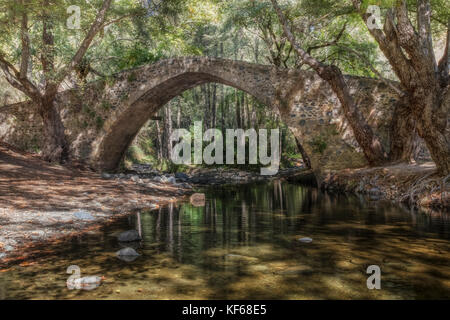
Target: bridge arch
[
  {"x": 103, "y": 118},
  {"x": 154, "y": 86}
]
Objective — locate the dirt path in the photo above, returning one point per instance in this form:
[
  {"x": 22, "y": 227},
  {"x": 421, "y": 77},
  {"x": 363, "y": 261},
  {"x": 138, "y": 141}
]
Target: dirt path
[{"x": 42, "y": 202}]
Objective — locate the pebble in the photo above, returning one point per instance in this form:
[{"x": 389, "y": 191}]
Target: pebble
[
  {"x": 305, "y": 240},
  {"x": 83, "y": 215},
  {"x": 127, "y": 254},
  {"x": 129, "y": 236}
]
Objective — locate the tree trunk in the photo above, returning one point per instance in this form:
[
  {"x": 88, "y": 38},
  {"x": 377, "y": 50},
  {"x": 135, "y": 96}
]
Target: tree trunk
[
  {"x": 55, "y": 147},
  {"x": 409, "y": 50},
  {"x": 167, "y": 146},
  {"x": 213, "y": 107},
  {"x": 238, "y": 110},
  {"x": 431, "y": 112},
  {"x": 159, "y": 140},
  {"x": 404, "y": 138},
  {"x": 305, "y": 157},
  {"x": 367, "y": 140},
  {"x": 179, "y": 113}
]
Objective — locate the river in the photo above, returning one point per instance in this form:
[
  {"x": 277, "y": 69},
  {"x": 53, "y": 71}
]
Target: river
[{"x": 244, "y": 244}]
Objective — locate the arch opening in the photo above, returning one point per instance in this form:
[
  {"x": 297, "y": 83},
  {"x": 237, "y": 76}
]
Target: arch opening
[{"x": 198, "y": 97}]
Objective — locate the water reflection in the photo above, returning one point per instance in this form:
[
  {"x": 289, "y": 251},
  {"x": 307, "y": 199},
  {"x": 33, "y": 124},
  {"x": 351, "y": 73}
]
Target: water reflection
[{"x": 244, "y": 245}]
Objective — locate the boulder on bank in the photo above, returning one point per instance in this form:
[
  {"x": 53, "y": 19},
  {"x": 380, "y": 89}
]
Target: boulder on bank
[{"x": 183, "y": 177}]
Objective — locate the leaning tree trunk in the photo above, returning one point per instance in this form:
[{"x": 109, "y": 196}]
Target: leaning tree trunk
[
  {"x": 431, "y": 112},
  {"x": 364, "y": 135},
  {"x": 305, "y": 157},
  {"x": 55, "y": 147},
  {"x": 367, "y": 140}
]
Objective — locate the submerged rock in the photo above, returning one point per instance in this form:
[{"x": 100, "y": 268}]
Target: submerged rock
[
  {"x": 127, "y": 254},
  {"x": 106, "y": 175},
  {"x": 86, "y": 283},
  {"x": 129, "y": 236},
  {"x": 305, "y": 240},
  {"x": 293, "y": 272}
]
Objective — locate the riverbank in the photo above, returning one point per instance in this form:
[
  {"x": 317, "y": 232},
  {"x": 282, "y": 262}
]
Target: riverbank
[
  {"x": 42, "y": 202},
  {"x": 417, "y": 185},
  {"x": 203, "y": 177}
]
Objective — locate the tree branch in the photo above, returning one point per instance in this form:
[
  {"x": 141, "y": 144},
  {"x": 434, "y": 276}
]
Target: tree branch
[
  {"x": 25, "y": 39},
  {"x": 329, "y": 44},
  {"x": 47, "y": 57},
  {"x": 13, "y": 77},
  {"x": 444, "y": 63},
  {"x": 374, "y": 70},
  {"x": 424, "y": 30},
  {"x": 409, "y": 39},
  {"x": 305, "y": 56},
  {"x": 95, "y": 28},
  {"x": 389, "y": 44}
]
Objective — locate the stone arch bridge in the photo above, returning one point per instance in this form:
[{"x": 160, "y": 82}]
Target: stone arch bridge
[{"x": 103, "y": 118}]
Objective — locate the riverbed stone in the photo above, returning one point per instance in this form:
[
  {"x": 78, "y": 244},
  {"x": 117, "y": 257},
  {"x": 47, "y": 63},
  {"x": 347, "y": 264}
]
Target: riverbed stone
[
  {"x": 305, "y": 240},
  {"x": 183, "y": 177},
  {"x": 129, "y": 236},
  {"x": 127, "y": 254},
  {"x": 83, "y": 215},
  {"x": 171, "y": 180}
]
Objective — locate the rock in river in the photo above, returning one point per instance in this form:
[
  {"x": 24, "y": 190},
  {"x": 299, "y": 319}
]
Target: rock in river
[
  {"x": 183, "y": 177},
  {"x": 129, "y": 236},
  {"x": 198, "y": 199},
  {"x": 127, "y": 254},
  {"x": 171, "y": 180},
  {"x": 305, "y": 240}
]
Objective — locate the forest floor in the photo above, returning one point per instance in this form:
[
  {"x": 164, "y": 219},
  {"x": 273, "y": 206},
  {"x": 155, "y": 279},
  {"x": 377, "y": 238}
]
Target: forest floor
[
  {"x": 417, "y": 185},
  {"x": 42, "y": 202}
]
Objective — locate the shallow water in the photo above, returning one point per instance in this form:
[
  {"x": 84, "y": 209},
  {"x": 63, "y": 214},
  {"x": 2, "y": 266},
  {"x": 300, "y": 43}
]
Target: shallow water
[{"x": 244, "y": 245}]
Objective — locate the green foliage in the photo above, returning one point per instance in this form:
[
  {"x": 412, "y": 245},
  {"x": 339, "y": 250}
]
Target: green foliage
[
  {"x": 137, "y": 56},
  {"x": 319, "y": 144},
  {"x": 99, "y": 122},
  {"x": 106, "y": 105}
]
